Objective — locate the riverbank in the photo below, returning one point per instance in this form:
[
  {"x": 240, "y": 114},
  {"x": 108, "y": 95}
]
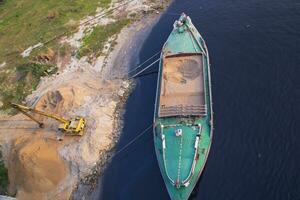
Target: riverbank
[
  {"x": 125, "y": 54},
  {"x": 39, "y": 167}
]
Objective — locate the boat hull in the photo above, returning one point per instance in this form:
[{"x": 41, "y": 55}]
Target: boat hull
[{"x": 183, "y": 117}]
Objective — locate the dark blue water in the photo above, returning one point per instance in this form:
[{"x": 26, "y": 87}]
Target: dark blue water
[{"x": 254, "y": 48}]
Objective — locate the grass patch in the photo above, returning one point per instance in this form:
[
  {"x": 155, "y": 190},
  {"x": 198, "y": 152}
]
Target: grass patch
[
  {"x": 17, "y": 84},
  {"x": 35, "y": 69},
  {"x": 93, "y": 43},
  {"x": 3, "y": 177},
  {"x": 24, "y": 23},
  {"x": 104, "y": 3},
  {"x": 64, "y": 50}
]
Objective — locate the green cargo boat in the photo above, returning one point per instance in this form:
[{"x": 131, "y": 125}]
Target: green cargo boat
[{"x": 183, "y": 118}]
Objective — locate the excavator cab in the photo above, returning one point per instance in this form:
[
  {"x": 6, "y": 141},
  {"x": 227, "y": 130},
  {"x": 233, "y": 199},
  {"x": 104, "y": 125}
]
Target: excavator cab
[{"x": 73, "y": 127}]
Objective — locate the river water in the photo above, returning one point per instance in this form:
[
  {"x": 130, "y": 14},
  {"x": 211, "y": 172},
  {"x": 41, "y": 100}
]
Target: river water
[{"x": 254, "y": 49}]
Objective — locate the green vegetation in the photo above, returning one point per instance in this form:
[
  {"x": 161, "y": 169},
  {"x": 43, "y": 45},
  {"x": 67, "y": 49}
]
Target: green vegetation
[
  {"x": 104, "y": 3},
  {"x": 3, "y": 177},
  {"x": 36, "y": 70},
  {"x": 93, "y": 43},
  {"x": 17, "y": 84},
  {"x": 64, "y": 49},
  {"x": 24, "y": 23}
]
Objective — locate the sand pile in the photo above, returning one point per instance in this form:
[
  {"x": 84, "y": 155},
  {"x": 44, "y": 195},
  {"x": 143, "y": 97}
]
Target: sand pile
[
  {"x": 35, "y": 167},
  {"x": 39, "y": 166}
]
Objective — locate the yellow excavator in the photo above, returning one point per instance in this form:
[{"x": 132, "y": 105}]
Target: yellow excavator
[{"x": 73, "y": 126}]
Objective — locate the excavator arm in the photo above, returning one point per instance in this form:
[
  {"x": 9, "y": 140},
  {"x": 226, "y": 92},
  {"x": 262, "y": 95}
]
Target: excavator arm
[
  {"x": 25, "y": 110},
  {"x": 70, "y": 127},
  {"x": 41, "y": 124}
]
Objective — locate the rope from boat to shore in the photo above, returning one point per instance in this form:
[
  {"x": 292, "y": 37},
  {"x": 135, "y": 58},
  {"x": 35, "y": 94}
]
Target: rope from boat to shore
[
  {"x": 135, "y": 75},
  {"x": 133, "y": 140},
  {"x": 140, "y": 65}
]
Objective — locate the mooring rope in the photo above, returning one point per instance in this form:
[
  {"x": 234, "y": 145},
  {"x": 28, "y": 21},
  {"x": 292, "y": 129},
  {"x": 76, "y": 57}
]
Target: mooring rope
[
  {"x": 147, "y": 67},
  {"x": 140, "y": 65},
  {"x": 132, "y": 141},
  {"x": 148, "y": 73}
]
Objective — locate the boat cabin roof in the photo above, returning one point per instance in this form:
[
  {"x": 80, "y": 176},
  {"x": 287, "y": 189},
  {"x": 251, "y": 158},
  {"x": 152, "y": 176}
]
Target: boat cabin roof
[{"x": 182, "y": 86}]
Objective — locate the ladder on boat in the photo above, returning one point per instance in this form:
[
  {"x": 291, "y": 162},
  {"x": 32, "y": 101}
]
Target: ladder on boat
[{"x": 180, "y": 110}]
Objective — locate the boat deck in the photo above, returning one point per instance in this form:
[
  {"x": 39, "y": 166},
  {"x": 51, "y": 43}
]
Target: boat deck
[
  {"x": 182, "y": 86},
  {"x": 179, "y": 153}
]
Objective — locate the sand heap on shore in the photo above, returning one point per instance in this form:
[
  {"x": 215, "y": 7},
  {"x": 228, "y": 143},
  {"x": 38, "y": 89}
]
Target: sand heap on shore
[
  {"x": 36, "y": 167},
  {"x": 29, "y": 154}
]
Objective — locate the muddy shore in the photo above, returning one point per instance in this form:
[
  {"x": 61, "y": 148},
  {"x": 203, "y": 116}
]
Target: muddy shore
[{"x": 126, "y": 55}]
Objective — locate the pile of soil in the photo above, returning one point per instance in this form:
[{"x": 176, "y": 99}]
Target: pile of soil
[
  {"x": 35, "y": 167},
  {"x": 40, "y": 167}
]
